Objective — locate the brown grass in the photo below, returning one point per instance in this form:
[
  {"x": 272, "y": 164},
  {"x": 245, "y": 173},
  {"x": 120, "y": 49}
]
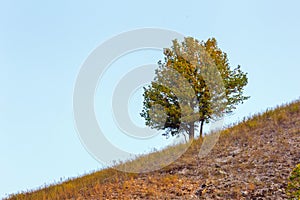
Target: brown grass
[{"x": 252, "y": 159}]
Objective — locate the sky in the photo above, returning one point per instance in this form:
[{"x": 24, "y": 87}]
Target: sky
[{"x": 44, "y": 44}]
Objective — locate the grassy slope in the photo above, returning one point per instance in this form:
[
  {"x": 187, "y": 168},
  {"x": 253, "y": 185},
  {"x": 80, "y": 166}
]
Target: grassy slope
[{"x": 252, "y": 159}]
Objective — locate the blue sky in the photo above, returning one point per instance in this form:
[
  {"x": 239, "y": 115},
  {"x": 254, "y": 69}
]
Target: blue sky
[{"x": 43, "y": 45}]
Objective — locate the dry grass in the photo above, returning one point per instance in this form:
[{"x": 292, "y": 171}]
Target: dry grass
[{"x": 252, "y": 159}]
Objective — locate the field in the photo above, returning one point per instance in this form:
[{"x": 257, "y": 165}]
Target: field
[{"x": 252, "y": 160}]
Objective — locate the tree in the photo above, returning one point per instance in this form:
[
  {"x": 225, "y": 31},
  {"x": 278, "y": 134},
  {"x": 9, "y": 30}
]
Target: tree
[{"x": 194, "y": 84}]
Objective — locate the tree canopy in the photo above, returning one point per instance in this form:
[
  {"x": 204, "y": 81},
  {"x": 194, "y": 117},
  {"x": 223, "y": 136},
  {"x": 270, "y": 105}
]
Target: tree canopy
[{"x": 193, "y": 85}]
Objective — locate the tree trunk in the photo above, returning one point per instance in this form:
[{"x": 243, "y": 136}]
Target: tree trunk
[
  {"x": 192, "y": 131},
  {"x": 201, "y": 128}
]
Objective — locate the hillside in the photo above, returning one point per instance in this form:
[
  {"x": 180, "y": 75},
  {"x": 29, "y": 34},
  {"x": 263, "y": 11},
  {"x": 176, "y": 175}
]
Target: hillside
[{"x": 252, "y": 160}]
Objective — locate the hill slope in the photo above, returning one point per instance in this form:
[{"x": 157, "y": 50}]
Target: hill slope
[{"x": 251, "y": 160}]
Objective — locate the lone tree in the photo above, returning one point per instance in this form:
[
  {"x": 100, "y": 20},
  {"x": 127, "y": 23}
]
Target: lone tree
[{"x": 194, "y": 84}]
